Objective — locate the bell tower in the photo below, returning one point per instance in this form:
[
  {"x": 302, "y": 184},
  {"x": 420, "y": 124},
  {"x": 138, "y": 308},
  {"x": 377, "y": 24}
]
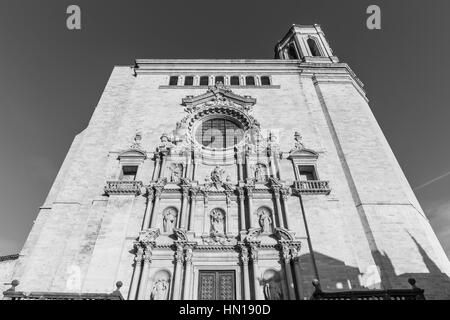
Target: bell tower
[{"x": 306, "y": 43}]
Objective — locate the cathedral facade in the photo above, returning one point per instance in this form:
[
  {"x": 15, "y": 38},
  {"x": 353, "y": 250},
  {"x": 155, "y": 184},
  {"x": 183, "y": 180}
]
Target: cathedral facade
[{"x": 232, "y": 179}]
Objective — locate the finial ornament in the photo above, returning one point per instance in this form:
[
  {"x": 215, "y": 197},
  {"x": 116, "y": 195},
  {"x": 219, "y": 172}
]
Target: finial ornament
[
  {"x": 298, "y": 141},
  {"x": 137, "y": 141}
]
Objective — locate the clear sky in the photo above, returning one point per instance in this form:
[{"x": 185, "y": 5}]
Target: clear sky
[{"x": 51, "y": 78}]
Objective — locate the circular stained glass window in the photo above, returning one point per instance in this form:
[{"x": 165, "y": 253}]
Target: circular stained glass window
[{"x": 219, "y": 133}]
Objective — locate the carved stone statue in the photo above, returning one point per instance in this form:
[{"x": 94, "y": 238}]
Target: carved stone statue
[
  {"x": 169, "y": 219},
  {"x": 217, "y": 175},
  {"x": 160, "y": 290},
  {"x": 260, "y": 172},
  {"x": 265, "y": 221},
  {"x": 272, "y": 291},
  {"x": 298, "y": 142},
  {"x": 217, "y": 222},
  {"x": 166, "y": 142},
  {"x": 176, "y": 172}
]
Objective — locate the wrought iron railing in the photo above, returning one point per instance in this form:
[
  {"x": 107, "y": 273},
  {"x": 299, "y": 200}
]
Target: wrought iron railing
[
  {"x": 123, "y": 187},
  {"x": 312, "y": 187},
  {"x": 414, "y": 293},
  {"x": 12, "y": 294}
]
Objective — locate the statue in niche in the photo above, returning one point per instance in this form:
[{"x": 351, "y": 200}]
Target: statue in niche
[
  {"x": 265, "y": 221},
  {"x": 272, "y": 291},
  {"x": 217, "y": 222},
  {"x": 260, "y": 172},
  {"x": 169, "y": 219},
  {"x": 176, "y": 172},
  {"x": 160, "y": 290}
]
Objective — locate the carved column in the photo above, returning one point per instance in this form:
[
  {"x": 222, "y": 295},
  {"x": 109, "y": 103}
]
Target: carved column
[
  {"x": 273, "y": 169},
  {"x": 285, "y": 192},
  {"x": 137, "y": 272},
  {"x": 148, "y": 208},
  {"x": 287, "y": 267},
  {"x": 205, "y": 216},
  {"x": 184, "y": 203},
  {"x": 227, "y": 218},
  {"x": 276, "y": 193},
  {"x": 156, "y": 170},
  {"x": 145, "y": 272},
  {"x": 241, "y": 208},
  {"x": 178, "y": 269},
  {"x": 163, "y": 164},
  {"x": 158, "y": 191},
  {"x": 193, "y": 208},
  {"x": 187, "y": 274},
  {"x": 186, "y": 168},
  {"x": 245, "y": 272},
  {"x": 296, "y": 260},
  {"x": 254, "y": 256},
  {"x": 250, "y": 205}
]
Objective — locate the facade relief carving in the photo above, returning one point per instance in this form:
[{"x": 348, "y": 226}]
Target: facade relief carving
[
  {"x": 160, "y": 290},
  {"x": 217, "y": 217},
  {"x": 272, "y": 285},
  {"x": 169, "y": 219},
  {"x": 176, "y": 172},
  {"x": 265, "y": 220}
]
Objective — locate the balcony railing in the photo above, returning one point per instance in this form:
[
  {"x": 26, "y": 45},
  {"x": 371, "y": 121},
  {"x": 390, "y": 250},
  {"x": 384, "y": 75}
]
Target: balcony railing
[
  {"x": 12, "y": 294},
  {"x": 414, "y": 293},
  {"x": 312, "y": 187},
  {"x": 123, "y": 187}
]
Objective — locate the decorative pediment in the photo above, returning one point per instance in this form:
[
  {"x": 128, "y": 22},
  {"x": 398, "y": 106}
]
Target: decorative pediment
[
  {"x": 135, "y": 151},
  {"x": 299, "y": 150},
  {"x": 283, "y": 234},
  {"x": 148, "y": 236},
  {"x": 218, "y": 94},
  {"x": 180, "y": 234},
  {"x": 132, "y": 154},
  {"x": 253, "y": 234},
  {"x": 304, "y": 153}
]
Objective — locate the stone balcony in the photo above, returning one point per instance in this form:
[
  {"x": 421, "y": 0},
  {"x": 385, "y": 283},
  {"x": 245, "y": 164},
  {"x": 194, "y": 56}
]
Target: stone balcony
[
  {"x": 414, "y": 293},
  {"x": 123, "y": 187},
  {"x": 312, "y": 187},
  {"x": 12, "y": 294}
]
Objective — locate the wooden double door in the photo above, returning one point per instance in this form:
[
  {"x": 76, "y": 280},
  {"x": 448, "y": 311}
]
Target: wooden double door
[{"x": 217, "y": 285}]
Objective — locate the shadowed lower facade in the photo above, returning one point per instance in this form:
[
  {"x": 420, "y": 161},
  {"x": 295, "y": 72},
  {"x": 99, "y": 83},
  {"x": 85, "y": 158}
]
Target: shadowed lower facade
[{"x": 232, "y": 179}]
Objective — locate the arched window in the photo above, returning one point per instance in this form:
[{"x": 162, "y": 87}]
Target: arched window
[
  {"x": 219, "y": 133},
  {"x": 250, "y": 80},
  {"x": 313, "y": 47},
  {"x": 188, "y": 80},
  {"x": 219, "y": 79},
  {"x": 291, "y": 51},
  {"x": 234, "y": 80},
  {"x": 204, "y": 80},
  {"x": 265, "y": 81}
]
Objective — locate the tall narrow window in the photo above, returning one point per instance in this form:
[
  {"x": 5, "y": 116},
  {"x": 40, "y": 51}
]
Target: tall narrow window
[
  {"x": 307, "y": 173},
  {"x": 291, "y": 51},
  {"x": 219, "y": 79},
  {"x": 204, "y": 81},
  {"x": 265, "y": 81},
  {"x": 173, "y": 81},
  {"x": 250, "y": 80},
  {"x": 128, "y": 173},
  {"x": 313, "y": 47},
  {"x": 234, "y": 80},
  {"x": 188, "y": 80}
]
